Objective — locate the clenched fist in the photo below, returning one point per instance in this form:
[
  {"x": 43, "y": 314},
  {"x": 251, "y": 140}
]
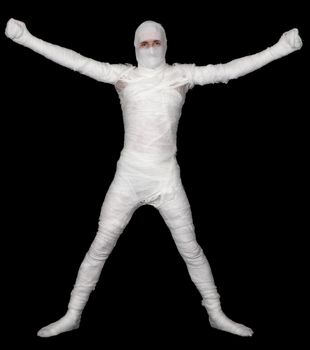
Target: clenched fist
[
  {"x": 15, "y": 30},
  {"x": 292, "y": 39}
]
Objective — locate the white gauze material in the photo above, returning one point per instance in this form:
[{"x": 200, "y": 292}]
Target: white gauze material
[
  {"x": 150, "y": 57},
  {"x": 151, "y": 96}
]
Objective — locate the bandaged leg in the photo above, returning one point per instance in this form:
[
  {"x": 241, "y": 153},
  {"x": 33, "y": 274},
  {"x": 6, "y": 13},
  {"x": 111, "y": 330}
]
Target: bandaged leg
[
  {"x": 178, "y": 217},
  {"x": 116, "y": 212}
]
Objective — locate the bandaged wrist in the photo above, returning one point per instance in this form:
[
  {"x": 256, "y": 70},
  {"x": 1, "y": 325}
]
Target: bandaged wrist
[{"x": 280, "y": 49}]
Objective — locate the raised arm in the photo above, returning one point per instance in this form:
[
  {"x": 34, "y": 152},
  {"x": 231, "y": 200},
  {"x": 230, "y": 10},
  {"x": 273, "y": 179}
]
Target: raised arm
[
  {"x": 221, "y": 73},
  {"x": 104, "y": 72}
]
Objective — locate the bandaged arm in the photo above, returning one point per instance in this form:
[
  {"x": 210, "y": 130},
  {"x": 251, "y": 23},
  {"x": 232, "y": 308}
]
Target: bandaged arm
[
  {"x": 104, "y": 72},
  {"x": 222, "y": 73}
]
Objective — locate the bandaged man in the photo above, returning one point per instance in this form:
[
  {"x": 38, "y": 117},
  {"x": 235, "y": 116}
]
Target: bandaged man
[{"x": 152, "y": 95}]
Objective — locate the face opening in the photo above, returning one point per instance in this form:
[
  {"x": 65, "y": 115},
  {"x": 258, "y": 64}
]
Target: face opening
[{"x": 146, "y": 44}]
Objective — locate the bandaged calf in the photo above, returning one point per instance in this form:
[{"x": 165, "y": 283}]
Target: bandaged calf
[{"x": 152, "y": 95}]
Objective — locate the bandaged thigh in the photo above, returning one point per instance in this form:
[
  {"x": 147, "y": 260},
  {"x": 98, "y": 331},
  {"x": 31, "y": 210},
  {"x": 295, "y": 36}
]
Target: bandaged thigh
[
  {"x": 178, "y": 217},
  {"x": 117, "y": 209}
]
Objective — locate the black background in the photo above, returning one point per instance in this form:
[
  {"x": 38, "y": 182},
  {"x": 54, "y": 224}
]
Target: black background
[{"x": 241, "y": 149}]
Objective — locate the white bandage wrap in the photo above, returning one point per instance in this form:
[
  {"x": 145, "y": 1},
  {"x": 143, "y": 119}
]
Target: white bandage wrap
[
  {"x": 152, "y": 57},
  {"x": 151, "y": 96}
]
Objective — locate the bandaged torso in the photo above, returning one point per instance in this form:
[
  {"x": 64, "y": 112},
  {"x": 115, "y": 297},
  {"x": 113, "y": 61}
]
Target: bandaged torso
[
  {"x": 151, "y": 108},
  {"x": 151, "y": 103}
]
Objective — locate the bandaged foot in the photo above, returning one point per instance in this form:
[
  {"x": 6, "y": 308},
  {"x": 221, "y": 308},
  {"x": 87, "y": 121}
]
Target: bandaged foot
[
  {"x": 69, "y": 322},
  {"x": 220, "y": 321}
]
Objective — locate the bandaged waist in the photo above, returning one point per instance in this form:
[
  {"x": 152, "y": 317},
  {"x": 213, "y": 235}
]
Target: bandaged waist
[{"x": 147, "y": 165}]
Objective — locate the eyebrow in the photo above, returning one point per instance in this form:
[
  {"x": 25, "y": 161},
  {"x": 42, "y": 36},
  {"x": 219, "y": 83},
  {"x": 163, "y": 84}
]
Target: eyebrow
[{"x": 146, "y": 41}]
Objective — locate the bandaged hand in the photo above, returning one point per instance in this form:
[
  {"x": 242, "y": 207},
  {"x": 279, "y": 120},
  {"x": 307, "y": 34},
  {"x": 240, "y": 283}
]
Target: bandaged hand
[
  {"x": 291, "y": 40},
  {"x": 16, "y": 30}
]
